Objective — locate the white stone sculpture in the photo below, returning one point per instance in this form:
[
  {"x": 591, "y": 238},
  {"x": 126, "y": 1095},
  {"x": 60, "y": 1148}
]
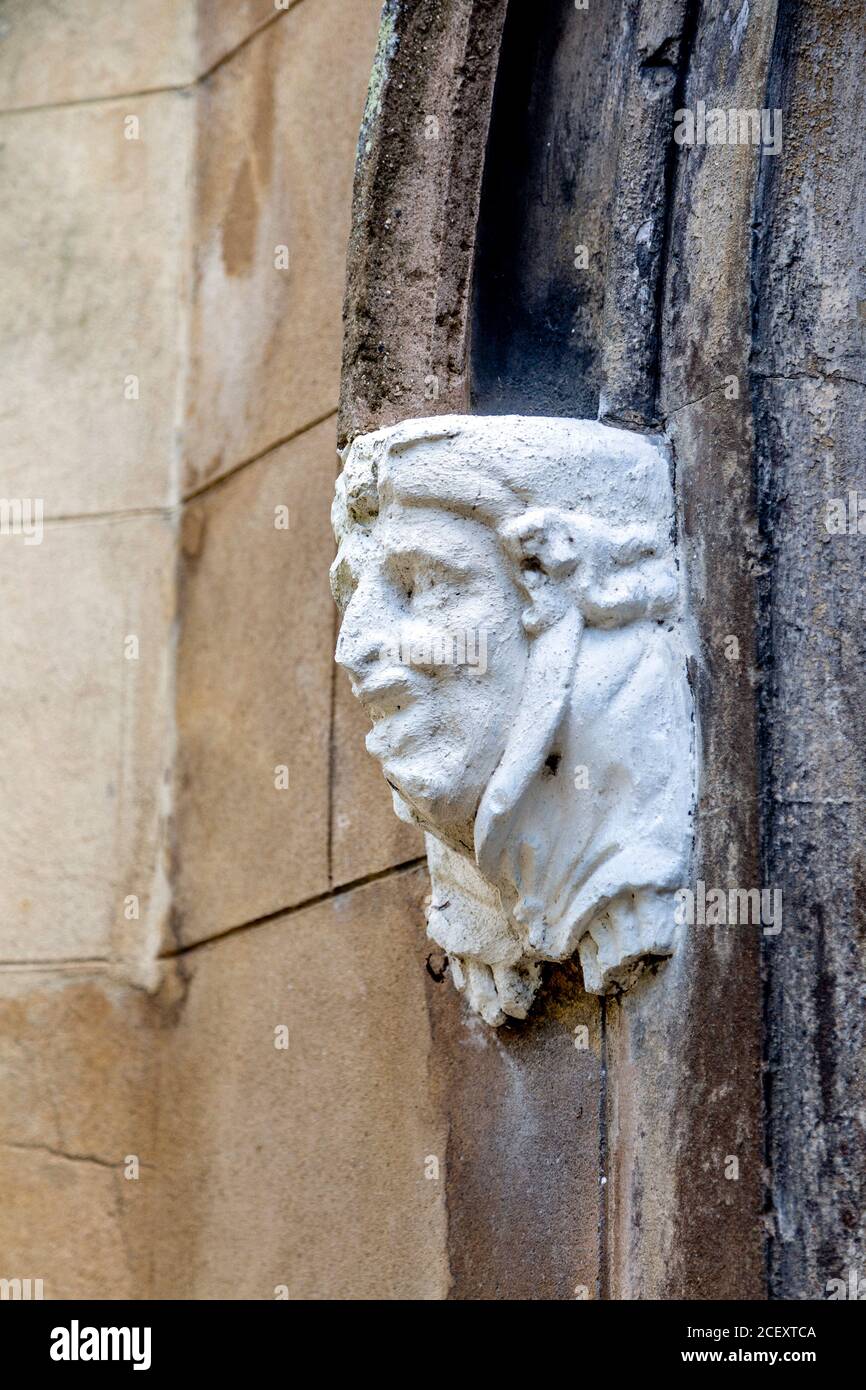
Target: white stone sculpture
[{"x": 512, "y": 622}]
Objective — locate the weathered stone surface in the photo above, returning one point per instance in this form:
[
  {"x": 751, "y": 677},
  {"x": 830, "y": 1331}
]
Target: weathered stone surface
[
  {"x": 59, "y": 1223},
  {"x": 809, "y": 314},
  {"x": 522, "y": 1104},
  {"x": 526, "y": 1227},
  {"x": 305, "y": 1166},
  {"x": 97, "y": 251},
  {"x": 407, "y": 308},
  {"x": 655, "y": 48},
  {"x": 77, "y": 1099},
  {"x": 101, "y": 1102},
  {"x": 53, "y": 53},
  {"x": 86, "y": 738},
  {"x": 314, "y": 1185},
  {"x": 93, "y": 243},
  {"x": 258, "y": 188},
  {"x": 546, "y": 205},
  {"x": 684, "y": 1050},
  {"x": 366, "y": 836},
  {"x": 811, "y": 439},
  {"x": 253, "y": 691},
  {"x": 221, "y": 25}
]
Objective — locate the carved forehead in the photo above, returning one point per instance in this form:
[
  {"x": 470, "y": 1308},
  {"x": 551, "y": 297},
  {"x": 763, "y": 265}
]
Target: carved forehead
[
  {"x": 465, "y": 543},
  {"x": 494, "y": 468}
]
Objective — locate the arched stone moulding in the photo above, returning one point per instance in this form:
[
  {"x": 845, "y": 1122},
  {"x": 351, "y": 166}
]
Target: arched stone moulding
[{"x": 512, "y": 621}]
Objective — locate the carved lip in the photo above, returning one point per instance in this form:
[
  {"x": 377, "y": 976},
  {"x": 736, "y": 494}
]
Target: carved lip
[{"x": 385, "y": 692}]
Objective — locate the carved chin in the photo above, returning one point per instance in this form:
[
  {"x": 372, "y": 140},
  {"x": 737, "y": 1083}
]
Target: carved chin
[
  {"x": 426, "y": 791},
  {"x": 425, "y": 785},
  {"x": 395, "y": 741}
]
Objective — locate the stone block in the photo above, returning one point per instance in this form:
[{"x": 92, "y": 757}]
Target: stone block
[{"x": 304, "y": 1166}]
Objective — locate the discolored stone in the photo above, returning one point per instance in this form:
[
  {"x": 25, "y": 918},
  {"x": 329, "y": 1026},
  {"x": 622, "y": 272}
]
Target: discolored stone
[
  {"x": 78, "y": 1096},
  {"x": 86, "y": 708},
  {"x": 254, "y": 691},
  {"x": 269, "y": 233},
  {"x": 304, "y": 1166},
  {"x": 93, "y": 241}
]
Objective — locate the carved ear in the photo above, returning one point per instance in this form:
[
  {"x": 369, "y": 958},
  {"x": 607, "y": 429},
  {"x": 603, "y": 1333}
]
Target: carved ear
[
  {"x": 543, "y": 548},
  {"x": 613, "y": 574}
]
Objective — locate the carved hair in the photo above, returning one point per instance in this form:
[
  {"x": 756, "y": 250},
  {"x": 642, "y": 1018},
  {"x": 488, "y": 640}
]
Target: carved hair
[{"x": 609, "y": 545}]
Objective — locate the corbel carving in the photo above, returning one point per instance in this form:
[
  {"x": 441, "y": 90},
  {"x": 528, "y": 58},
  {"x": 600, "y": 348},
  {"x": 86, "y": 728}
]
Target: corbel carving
[{"x": 512, "y": 623}]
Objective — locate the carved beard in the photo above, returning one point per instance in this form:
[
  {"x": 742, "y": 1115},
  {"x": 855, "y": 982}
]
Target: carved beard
[{"x": 559, "y": 866}]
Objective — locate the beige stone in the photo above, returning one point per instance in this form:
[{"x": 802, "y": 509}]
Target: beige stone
[
  {"x": 224, "y": 24},
  {"x": 77, "y": 1099},
  {"x": 53, "y": 53},
  {"x": 93, "y": 247},
  {"x": 76, "y": 1064},
  {"x": 366, "y": 836},
  {"x": 305, "y": 1166},
  {"x": 254, "y": 683},
  {"x": 260, "y": 1167},
  {"x": 59, "y": 1223},
  {"x": 277, "y": 129},
  {"x": 86, "y": 743},
  {"x": 101, "y": 49}
]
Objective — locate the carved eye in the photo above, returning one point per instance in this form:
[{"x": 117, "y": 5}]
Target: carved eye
[
  {"x": 421, "y": 575},
  {"x": 432, "y": 575},
  {"x": 402, "y": 570}
]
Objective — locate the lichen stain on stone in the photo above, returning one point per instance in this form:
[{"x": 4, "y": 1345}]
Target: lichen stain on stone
[
  {"x": 385, "y": 50},
  {"x": 239, "y": 224}
]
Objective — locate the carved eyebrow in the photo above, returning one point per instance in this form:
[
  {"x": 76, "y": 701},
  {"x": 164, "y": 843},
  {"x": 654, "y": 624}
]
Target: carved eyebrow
[{"x": 415, "y": 551}]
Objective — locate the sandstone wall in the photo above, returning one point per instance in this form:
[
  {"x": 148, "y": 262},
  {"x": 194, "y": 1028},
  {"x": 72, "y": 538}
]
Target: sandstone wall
[{"x": 177, "y": 195}]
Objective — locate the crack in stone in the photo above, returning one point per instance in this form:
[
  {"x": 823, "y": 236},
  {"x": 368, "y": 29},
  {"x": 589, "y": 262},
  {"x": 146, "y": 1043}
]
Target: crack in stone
[
  {"x": 166, "y": 89},
  {"x": 53, "y": 1152},
  {"x": 280, "y": 912}
]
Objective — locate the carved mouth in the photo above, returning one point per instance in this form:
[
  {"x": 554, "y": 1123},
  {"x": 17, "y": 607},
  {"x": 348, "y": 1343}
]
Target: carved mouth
[{"x": 385, "y": 693}]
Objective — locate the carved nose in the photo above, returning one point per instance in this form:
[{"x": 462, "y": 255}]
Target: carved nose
[{"x": 360, "y": 642}]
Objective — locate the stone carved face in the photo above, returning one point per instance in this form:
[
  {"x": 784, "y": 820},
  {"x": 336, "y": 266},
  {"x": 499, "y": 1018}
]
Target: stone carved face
[
  {"x": 432, "y": 640},
  {"x": 511, "y": 624}
]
